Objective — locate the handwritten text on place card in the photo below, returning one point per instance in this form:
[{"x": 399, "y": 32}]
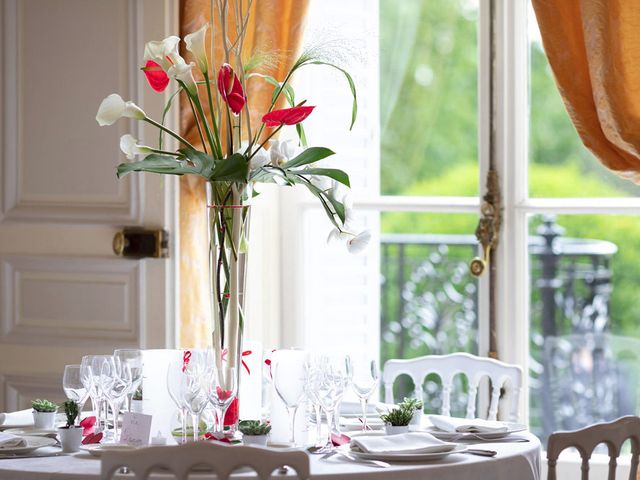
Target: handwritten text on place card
[{"x": 136, "y": 428}]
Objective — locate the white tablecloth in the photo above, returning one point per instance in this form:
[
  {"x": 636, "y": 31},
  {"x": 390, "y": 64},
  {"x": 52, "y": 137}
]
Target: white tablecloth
[{"x": 519, "y": 461}]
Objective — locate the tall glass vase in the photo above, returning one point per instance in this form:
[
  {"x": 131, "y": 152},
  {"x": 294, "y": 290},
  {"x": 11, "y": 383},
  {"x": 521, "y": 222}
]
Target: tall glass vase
[{"x": 228, "y": 225}]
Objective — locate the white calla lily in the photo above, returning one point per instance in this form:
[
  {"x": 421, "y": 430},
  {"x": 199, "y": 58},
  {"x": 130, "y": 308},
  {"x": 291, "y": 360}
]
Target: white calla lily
[
  {"x": 164, "y": 52},
  {"x": 114, "y": 107},
  {"x": 196, "y": 44},
  {"x": 281, "y": 151},
  {"x": 259, "y": 159},
  {"x": 359, "y": 243},
  {"x": 129, "y": 146},
  {"x": 183, "y": 72}
]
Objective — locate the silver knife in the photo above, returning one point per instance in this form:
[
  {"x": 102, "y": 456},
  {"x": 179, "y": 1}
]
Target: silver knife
[{"x": 16, "y": 457}]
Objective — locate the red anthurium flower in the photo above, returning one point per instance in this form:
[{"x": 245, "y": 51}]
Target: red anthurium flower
[
  {"x": 223, "y": 394},
  {"x": 156, "y": 76},
  {"x": 287, "y": 116},
  {"x": 230, "y": 89}
]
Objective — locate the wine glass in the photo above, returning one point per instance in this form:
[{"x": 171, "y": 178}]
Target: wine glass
[
  {"x": 176, "y": 386},
  {"x": 73, "y": 386},
  {"x": 133, "y": 358},
  {"x": 222, "y": 388},
  {"x": 365, "y": 378},
  {"x": 288, "y": 369},
  {"x": 115, "y": 378},
  {"x": 90, "y": 368},
  {"x": 332, "y": 386},
  {"x": 194, "y": 394},
  {"x": 313, "y": 376}
]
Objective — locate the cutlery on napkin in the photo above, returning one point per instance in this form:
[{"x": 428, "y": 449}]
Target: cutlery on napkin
[
  {"x": 8, "y": 440},
  {"x": 412, "y": 442},
  {"x": 467, "y": 425}
]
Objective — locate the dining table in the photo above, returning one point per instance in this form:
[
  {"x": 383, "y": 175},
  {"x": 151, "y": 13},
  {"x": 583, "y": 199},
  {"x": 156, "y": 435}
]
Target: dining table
[{"x": 517, "y": 458}]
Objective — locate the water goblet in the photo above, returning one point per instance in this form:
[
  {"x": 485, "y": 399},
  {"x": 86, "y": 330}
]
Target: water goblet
[
  {"x": 288, "y": 370},
  {"x": 365, "y": 378},
  {"x": 73, "y": 386},
  {"x": 133, "y": 358},
  {"x": 176, "y": 386},
  {"x": 116, "y": 382},
  {"x": 90, "y": 368},
  {"x": 222, "y": 388},
  {"x": 333, "y": 384}
]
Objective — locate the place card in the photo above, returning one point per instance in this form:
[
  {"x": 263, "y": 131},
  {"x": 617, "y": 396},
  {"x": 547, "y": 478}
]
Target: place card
[{"x": 136, "y": 429}]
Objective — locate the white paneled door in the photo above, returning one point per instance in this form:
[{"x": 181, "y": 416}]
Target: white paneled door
[{"x": 63, "y": 292}]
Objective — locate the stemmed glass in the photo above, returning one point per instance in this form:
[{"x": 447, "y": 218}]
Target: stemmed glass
[
  {"x": 73, "y": 386},
  {"x": 133, "y": 358},
  {"x": 288, "y": 369},
  {"x": 115, "y": 378},
  {"x": 313, "y": 377},
  {"x": 90, "y": 368},
  {"x": 177, "y": 386},
  {"x": 365, "y": 378},
  {"x": 331, "y": 389},
  {"x": 222, "y": 389},
  {"x": 195, "y": 392}
]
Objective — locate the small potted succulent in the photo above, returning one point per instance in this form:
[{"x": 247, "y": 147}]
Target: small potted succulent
[
  {"x": 136, "y": 401},
  {"x": 254, "y": 432},
  {"x": 415, "y": 406},
  {"x": 44, "y": 414},
  {"x": 71, "y": 434},
  {"x": 397, "y": 420}
]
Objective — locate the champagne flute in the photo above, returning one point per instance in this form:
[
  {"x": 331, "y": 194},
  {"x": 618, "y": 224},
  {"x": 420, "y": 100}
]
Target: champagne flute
[
  {"x": 133, "y": 358},
  {"x": 73, "y": 386},
  {"x": 90, "y": 369},
  {"x": 116, "y": 382},
  {"x": 176, "y": 386},
  {"x": 365, "y": 378},
  {"x": 333, "y": 384}
]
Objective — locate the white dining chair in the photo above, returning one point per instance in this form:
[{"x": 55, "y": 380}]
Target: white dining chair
[
  {"x": 223, "y": 459},
  {"x": 613, "y": 434},
  {"x": 447, "y": 367}
]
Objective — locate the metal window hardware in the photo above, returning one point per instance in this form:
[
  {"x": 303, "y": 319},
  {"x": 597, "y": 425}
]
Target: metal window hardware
[
  {"x": 133, "y": 242},
  {"x": 488, "y": 229}
]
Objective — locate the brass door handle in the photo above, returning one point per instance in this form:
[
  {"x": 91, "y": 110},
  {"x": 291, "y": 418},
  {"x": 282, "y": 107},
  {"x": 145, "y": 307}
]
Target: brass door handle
[
  {"x": 135, "y": 242},
  {"x": 488, "y": 229}
]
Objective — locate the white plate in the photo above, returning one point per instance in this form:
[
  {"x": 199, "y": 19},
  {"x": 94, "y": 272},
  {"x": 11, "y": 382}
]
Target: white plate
[
  {"x": 96, "y": 449},
  {"x": 403, "y": 457},
  {"x": 449, "y": 436},
  {"x": 31, "y": 431},
  {"x": 32, "y": 444}
]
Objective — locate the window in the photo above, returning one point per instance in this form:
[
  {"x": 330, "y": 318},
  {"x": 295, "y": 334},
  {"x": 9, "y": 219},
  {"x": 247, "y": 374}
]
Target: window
[{"x": 434, "y": 116}]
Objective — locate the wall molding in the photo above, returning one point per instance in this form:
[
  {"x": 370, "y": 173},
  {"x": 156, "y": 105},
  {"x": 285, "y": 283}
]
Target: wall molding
[
  {"x": 85, "y": 208},
  {"x": 19, "y": 390},
  {"x": 35, "y": 307}
]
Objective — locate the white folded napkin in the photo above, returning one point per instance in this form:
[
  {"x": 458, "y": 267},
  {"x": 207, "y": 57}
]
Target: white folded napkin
[
  {"x": 21, "y": 418},
  {"x": 412, "y": 442},
  {"x": 467, "y": 425},
  {"x": 8, "y": 440}
]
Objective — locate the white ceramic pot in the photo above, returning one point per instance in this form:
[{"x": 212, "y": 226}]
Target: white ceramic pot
[
  {"x": 255, "y": 440},
  {"x": 70, "y": 438},
  {"x": 416, "y": 419},
  {"x": 392, "y": 430},
  {"x": 44, "y": 420},
  {"x": 136, "y": 406}
]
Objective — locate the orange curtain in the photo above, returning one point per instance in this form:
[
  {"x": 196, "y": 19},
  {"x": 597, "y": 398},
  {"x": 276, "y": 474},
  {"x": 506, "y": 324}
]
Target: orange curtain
[
  {"x": 594, "y": 51},
  {"x": 275, "y": 27}
]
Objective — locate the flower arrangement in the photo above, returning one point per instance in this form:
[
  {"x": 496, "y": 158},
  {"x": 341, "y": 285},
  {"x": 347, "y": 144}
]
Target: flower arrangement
[
  {"x": 233, "y": 155},
  {"x": 44, "y": 406}
]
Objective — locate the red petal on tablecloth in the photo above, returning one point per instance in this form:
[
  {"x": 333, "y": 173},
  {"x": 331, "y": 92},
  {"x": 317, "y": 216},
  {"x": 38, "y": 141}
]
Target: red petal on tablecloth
[
  {"x": 341, "y": 439},
  {"x": 87, "y": 425},
  {"x": 92, "y": 438}
]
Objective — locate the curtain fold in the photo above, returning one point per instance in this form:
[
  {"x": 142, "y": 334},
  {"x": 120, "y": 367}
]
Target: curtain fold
[
  {"x": 275, "y": 29},
  {"x": 593, "y": 48}
]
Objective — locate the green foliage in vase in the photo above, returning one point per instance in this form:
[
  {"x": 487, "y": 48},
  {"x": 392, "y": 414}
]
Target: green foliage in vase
[
  {"x": 398, "y": 417},
  {"x": 44, "y": 406},
  {"x": 411, "y": 404},
  {"x": 254, "y": 427},
  {"x": 71, "y": 411}
]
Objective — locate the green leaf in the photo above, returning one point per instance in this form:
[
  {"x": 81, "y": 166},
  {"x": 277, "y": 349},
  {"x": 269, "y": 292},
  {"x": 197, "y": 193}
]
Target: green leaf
[
  {"x": 201, "y": 161},
  {"x": 301, "y": 134},
  {"x": 167, "y": 107},
  {"x": 336, "y": 174},
  {"x": 338, "y": 207},
  {"x": 231, "y": 169},
  {"x": 352, "y": 87},
  {"x": 287, "y": 89},
  {"x": 310, "y": 155},
  {"x": 156, "y": 164}
]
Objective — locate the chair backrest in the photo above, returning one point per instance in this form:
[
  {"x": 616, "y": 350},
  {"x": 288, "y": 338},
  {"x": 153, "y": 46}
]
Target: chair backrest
[
  {"x": 613, "y": 434},
  {"x": 447, "y": 367},
  {"x": 223, "y": 459}
]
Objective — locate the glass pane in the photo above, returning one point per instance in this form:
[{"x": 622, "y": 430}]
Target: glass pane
[
  {"x": 429, "y": 300},
  {"x": 559, "y": 164},
  {"x": 428, "y": 97},
  {"x": 585, "y": 333}
]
